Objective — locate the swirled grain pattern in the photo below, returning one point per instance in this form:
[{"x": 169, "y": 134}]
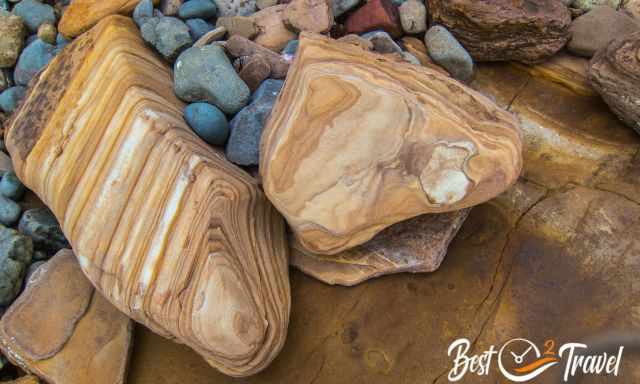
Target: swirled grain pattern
[
  {"x": 357, "y": 142},
  {"x": 167, "y": 229},
  {"x": 614, "y": 72}
]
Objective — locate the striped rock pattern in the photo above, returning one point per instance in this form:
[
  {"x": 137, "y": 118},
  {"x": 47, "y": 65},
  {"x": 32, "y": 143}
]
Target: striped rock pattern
[
  {"x": 615, "y": 73},
  {"x": 357, "y": 142},
  {"x": 168, "y": 230}
]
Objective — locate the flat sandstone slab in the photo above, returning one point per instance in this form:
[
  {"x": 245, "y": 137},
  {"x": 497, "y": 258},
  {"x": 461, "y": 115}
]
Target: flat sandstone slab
[
  {"x": 357, "y": 142},
  {"x": 64, "y": 331},
  {"x": 415, "y": 245}
]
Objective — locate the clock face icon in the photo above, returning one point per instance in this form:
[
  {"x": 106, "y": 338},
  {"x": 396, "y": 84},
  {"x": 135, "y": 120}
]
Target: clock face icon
[
  {"x": 520, "y": 360},
  {"x": 519, "y": 352}
]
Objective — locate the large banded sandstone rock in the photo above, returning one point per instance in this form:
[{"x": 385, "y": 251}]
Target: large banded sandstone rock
[
  {"x": 536, "y": 29},
  {"x": 168, "y": 230},
  {"x": 359, "y": 142},
  {"x": 615, "y": 73}
]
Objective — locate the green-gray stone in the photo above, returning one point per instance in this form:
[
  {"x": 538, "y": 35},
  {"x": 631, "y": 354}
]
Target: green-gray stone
[
  {"x": 11, "y": 186},
  {"x": 206, "y": 74},
  {"x": 9, "y": 211},
  {"x": 168, "y": 35},
  {"x": 16, "y": 252},
  {"x": 41, "y": 225}
]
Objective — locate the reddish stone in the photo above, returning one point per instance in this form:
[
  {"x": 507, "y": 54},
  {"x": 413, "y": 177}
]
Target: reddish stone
[
  {"x": 255, "y": 71},
  {"x": 375, "y": 14}
]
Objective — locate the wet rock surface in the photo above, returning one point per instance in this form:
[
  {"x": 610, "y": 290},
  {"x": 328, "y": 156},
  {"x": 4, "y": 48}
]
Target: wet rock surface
[{"x": 536, "y": 30}]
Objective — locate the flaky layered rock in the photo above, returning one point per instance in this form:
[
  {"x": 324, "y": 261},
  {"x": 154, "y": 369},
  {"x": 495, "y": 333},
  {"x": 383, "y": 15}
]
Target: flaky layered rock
[
  {"x": 81, "y": 15},
  {"x": 168, "y": 230},
  {"x": 239, "y": 46},
  {"x": 62, "y": 330},
  {"x": 415, "y": 245},
  {"x": 357, "y": 142},
  {"x": 495, "y": 30},
  {"x": 615, "y": 73}
]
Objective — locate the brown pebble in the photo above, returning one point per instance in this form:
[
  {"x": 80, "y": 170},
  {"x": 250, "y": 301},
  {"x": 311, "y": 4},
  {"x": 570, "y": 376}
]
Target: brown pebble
[
  {"x": 255, "y": 71},
  {"x": 239, "y": 46}
]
